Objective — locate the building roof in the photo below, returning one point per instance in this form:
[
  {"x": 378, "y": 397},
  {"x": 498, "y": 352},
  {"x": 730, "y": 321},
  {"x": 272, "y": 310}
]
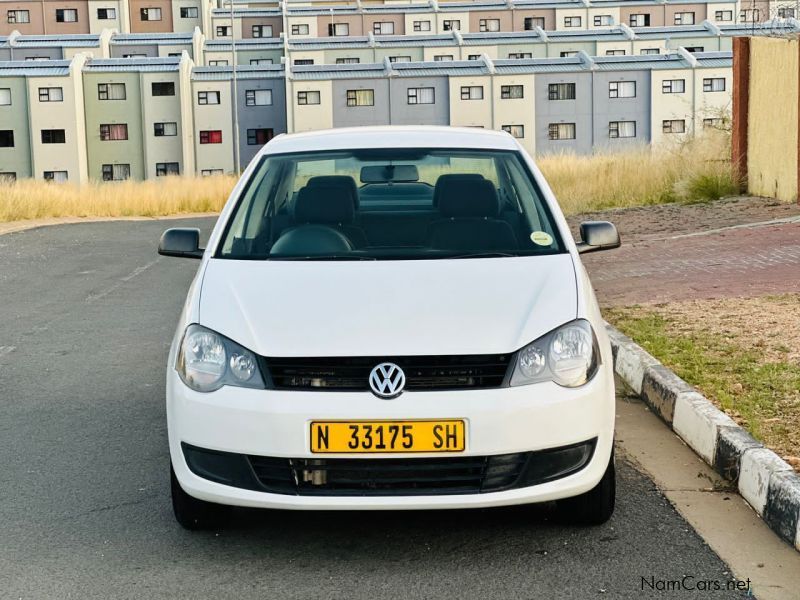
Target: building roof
[
  {"x": 244, "y": 44},
  {"x": 78, "y": 40},
  {"x": 115, "y": 65},
  {"x": 34, "y": 68},
  {"x": 225, "y": 73},
  {"x": 145, "y": 39}
]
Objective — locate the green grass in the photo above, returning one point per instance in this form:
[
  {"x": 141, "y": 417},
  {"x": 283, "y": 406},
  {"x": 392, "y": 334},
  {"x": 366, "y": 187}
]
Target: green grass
[{"x": 761, "y": 394}]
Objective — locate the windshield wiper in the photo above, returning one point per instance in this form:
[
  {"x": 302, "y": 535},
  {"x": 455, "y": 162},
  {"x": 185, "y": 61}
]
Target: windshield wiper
[
  {"x": 480, "y": 255},
  {"x": 325, "y": 257}
]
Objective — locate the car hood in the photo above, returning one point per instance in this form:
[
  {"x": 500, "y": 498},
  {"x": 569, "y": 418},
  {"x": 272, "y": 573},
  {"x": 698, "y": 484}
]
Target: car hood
[{"x": 388, "y": 308}]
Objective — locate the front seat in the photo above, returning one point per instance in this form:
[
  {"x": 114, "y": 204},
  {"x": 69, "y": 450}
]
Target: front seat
[
  {"x": 470, "y": 223},
  {"x": 331, "y": 205},
  {"x": 343, "y": 181}
]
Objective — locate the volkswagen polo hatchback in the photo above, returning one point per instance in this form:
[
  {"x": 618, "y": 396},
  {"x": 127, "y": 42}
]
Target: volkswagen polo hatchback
[{"x": 391, "y": 318}]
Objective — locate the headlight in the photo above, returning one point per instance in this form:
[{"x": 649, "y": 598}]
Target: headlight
[
  {"x": 568, "y": 355},
  {"x": 207, "y": 361}
]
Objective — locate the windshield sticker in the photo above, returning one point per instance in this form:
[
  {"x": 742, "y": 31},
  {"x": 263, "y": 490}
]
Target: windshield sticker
[{"x": 541, "y": 238}]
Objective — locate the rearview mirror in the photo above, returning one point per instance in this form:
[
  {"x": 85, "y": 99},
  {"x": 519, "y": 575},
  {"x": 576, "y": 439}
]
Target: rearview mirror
[
  {"x": 183, "y": 242},
  {"x": 389, "y": 174},
  {"x": 598, "y": 235}
]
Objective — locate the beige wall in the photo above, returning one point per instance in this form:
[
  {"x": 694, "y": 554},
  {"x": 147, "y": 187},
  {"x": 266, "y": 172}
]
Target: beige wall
[
  {"x": 671, "y": 106},
  {"x": 518, "y": 111},
  {"x": 772, "y": 158},
  {"x": 310, "y": 117},
  {"x": 97, "y": 25},
  {"x": 161, "y": 109},
  {"x": 213, "y": 117},
  {"x": 470, "y": 113},
  {"x": 309, "y": 20}
]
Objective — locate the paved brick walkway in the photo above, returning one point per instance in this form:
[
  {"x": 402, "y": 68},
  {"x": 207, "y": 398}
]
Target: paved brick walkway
[{"x": 742, "y": 247}]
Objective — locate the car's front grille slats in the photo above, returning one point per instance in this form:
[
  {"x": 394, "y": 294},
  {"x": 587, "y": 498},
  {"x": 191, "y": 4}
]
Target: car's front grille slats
[{"x": 422, "y": 372}]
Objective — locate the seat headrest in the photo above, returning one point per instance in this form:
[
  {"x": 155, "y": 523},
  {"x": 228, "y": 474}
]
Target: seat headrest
[
  {"x": 444, "y": 180},
  {"x": 469, "y": 198},
  {"x": 343, "y": 181},
  {"x": 324, "y": 204}
]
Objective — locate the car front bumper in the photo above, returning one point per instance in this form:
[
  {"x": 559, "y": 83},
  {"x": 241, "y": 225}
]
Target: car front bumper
[{"x": 270, "y": 423}]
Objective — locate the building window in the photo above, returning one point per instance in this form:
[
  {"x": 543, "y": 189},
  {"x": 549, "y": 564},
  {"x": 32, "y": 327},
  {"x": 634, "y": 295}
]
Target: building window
[
  {"x": 150, "y": 14},
  {"x": 723, "y": 15},
  {"x": 189, "y": 12},
  {"x": 213, "y": 136},
  {"x": 714, "y": 123},
  {"x": 786, "y": 12},
  {"x": 308, "y": 97},
  {"x": 8, "y": 177},
  {"x": 167, "y": 168},
  {"x": 134, "y": 56},
  {"x": 572, "y": 21},
  {"x": 360, "y": 97},
  {"x": 5, "y": 95},
  {"x": 603, "y": 20},
  {"x": 66, "y": 15},
  {"x": 210, "y": 172},
  {"x": 684, "y": 18},
  {"x": 53, "y": 136},
  {"x": 640, "y": 20},
  {"x": 517, "y": 131},
  {"x": 116, "y": 172},
  {"x": 348, "y": 61},
  {"x": 335, "y": 29},
  {"x": 303, "y": 61},
  {"x": 7, "y": 138},
  {"x": 258, "y": 137},
  {"x": 650, "y": 51},
  {"x": 421, "y": 95},
  {"x": 422, "y": 25},
  {"x": 531, "y": 23},
  {"x": 113, "y": 133},
  {"x": 518, "y": 55},
  {"x": 451, "y": 25},
  {"x": 262, "y": 31},
  {"x": 714, "y": 84},
  {"x": 258, "y": 97},
  {"x": 511, "y": 92},
  {"x": 473, "y": 57},
  {"x": 55, "y": 176},
  {"x": 568, "y": 53},
  {"x": 223, "y": 31},
  {"x": 442, "y": 57},
  {"x": 220, "y": 62},
  {"x": 622, "y": 89},
  {"x": 207, "y": 98},
  {"x": 19, "y": 16},
  {"x": 37, "y": 58},
  {"x": 111, "y": 91},
  {"x": 383, "y": 28},
  {"x": 106, "y": 14},
  {"x": 673, "y": 86},
  {"x": 260, "y": 61},
  {"x": 674, "y": 126},
  {"x": 163, "y": 88},
  {"x": 399, "y": 59},
  {"x": 694, "y": 49},
  {"x": 51, "y": 94},
  {"x": 561, "y": 91},
  {"x": 622, "y": 129},
  {"x": 489, "y": 25},
  {"x": 615, "y": 52},
  {"x": 750, "y": 15},
  {"x": 168, "y": 129},
  {"x": 561, "y": 131},
  {"x": 300, "y": 29},
  {"x": 472, "y": 92}
]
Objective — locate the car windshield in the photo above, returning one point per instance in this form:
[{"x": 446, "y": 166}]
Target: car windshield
[{"x": 392, "y": 204}]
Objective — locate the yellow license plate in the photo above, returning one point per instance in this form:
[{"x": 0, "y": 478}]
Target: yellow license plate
[{"x": 387, "y": 436}]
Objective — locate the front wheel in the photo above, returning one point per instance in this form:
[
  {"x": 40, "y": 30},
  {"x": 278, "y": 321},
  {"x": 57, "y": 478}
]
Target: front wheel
[
  {"x": 594, "y": 507},
  {"x": 192, "y": 513}
]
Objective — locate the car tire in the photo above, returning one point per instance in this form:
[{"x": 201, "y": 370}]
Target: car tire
[
  {"x": 594, "y": 507},
  {"x": 194, "y": 514}
]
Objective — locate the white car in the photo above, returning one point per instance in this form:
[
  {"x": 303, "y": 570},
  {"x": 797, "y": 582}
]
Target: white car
[{"x": 391, "y": 318}]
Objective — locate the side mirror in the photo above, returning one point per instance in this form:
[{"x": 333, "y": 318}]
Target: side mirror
[
  {"x": 182, "y": 242},
  {"x": 598, "y": 235}
]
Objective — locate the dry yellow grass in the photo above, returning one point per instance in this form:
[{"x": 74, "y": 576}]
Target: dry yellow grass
[
  {"x": 29, "y": 199},
  {"x": 696, "y": 170}
]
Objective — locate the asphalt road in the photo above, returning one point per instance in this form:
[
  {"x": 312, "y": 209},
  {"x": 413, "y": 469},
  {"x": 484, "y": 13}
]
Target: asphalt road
[{"x": 86, "y": 317}]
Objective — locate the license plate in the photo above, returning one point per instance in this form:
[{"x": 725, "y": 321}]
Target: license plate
[{"x": 387, "y": 436}]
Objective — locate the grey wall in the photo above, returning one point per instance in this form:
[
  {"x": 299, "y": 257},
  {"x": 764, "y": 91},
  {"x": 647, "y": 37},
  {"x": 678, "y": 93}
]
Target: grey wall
[
  {"x": 403, "y": 113},
  {"x": 149, "y": 50},
  {"x": 347, "y": 116},
  {"x": 621, "y": 109},
  {"x": 260, "y": 117},
  {"x": 51, "y": 52},
  {"x": 578, "y": 111}
]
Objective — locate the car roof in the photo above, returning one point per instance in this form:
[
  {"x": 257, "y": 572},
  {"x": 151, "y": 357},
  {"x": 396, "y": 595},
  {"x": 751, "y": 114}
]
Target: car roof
[{"x": 393, "y": 136}]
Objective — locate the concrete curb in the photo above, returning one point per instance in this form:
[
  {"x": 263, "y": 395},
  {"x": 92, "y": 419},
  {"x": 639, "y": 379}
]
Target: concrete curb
[{"x": 768, "y": 483}]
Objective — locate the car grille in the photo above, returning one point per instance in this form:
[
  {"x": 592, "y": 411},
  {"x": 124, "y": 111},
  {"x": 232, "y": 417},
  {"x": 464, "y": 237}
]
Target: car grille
[
  {"x": 388, "y": 476},
  {"x": 422, "y": 372}
]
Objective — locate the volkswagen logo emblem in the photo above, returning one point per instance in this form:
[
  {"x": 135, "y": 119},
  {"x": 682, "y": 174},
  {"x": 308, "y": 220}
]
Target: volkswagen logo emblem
[{"x": 387, "y": 380}]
